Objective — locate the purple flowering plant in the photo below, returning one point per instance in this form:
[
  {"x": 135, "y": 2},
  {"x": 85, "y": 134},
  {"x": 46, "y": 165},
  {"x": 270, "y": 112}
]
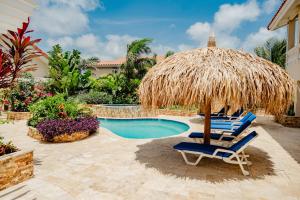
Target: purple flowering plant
[{"x": 55, "y": 127}]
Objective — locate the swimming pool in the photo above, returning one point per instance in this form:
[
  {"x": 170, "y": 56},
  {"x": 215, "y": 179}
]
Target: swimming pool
[{"x": 143, "y": 128}]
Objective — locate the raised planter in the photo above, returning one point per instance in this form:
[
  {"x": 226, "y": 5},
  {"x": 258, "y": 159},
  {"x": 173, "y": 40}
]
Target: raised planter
[
  {"x": 34, "y": 133},
  {"x": 18, "y": 115},
  {"x": 15, "y": 168},
  {"x": 288, "y": 121}
]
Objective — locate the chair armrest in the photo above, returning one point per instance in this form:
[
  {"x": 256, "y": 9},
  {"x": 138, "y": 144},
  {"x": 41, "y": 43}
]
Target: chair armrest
[{"x": 223, "y": 151}]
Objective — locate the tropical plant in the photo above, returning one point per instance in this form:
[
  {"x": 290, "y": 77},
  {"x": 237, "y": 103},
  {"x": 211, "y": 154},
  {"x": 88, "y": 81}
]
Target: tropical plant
[
  {"x": 137, "y": 64},
  {"x": 119, "y": 87},
  {"x": 94, "y": 97},
  {"x": 55, "y": 127},
  {"x": 169, "y": 53},
  {"x": 273, "y": 50},
  {"x": 6, "y": 148},
  {"x": 16, "y": 54},
  {"x": 88, "y": 63},
  {"x": 65, "y": 72},
  {"x": 5, "y": 70},
  {"x": 55, "y": 107}
]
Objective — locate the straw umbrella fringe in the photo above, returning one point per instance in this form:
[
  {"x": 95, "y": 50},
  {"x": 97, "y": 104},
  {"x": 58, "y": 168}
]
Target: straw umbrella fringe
[{"x": 214, "y": 75}]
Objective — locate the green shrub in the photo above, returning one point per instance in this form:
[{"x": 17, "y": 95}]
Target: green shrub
[
  {"x": 94, "y": 97},
  {"x": 26, "y": 92},
  {"x": 55, "y": 107}
]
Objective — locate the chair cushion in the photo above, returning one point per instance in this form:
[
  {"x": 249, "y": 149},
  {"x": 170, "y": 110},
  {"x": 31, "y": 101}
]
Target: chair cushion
[
  {"x": 200, "y": 148},
  {"x": 214, "y": 136},
  {"x": 221, "y": 126}
]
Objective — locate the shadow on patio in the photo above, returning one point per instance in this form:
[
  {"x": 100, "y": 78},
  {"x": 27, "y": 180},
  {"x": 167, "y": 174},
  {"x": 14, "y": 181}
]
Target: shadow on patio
[{"x": 159, "y": 154}]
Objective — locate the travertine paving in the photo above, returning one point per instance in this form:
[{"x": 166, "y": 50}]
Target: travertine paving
[{"x": 105, "y": 166}]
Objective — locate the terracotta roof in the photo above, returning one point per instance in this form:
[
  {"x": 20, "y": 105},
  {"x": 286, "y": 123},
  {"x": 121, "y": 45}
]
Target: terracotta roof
[
  {"x": 277, "y": 12},
  {"x": 118, "y": 62}
]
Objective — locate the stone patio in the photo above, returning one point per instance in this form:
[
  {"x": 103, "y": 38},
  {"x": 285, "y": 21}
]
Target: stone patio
[{"x": 106, "y": 166}]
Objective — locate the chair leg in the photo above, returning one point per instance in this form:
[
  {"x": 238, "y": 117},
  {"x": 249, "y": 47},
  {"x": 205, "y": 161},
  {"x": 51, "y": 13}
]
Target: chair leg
[
  {"x": 244, "y": 156},
  {"x": 189, "y": 162},
  {"x": 245, "y": 172}
]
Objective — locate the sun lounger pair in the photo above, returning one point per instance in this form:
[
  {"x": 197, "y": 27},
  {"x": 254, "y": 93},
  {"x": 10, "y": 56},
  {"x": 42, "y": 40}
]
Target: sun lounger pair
[
  {"x": 233, "y": 154},
  {"x": 232, "y": 124},
  {"x": 224, "y": 136}
]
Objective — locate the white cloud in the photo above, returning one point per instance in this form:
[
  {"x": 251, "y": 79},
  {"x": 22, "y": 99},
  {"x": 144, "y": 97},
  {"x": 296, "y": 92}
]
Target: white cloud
[
  {"x": 226, "y": 20},
  {"x": 84, "y": 4},
  {"x": 258, "y": 38},
  {"x": 64, "y": 42},
  {"x": 229, "y": 17},
  {"x": 184, "y": 47},
  {"x": 199, "y": 32},
  {"x": 160, "y": 49},
  {"x": 63, "y": 17},
  {"x": 270, "y": 5},
  {"x": 113, "y": 46}
]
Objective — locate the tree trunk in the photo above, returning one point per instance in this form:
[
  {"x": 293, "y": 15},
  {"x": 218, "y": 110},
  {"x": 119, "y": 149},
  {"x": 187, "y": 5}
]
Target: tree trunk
[{"x": 207, "y": 123}]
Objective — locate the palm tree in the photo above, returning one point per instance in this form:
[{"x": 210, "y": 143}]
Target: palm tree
[
  {"x": 137, "y": 63},
  {"x": 169, "y": 53},
  {"x": 273, "y": 50}
]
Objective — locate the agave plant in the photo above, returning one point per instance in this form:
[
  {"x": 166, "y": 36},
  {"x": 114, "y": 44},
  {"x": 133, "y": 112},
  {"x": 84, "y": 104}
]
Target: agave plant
[{"x": 18, "y": 50}]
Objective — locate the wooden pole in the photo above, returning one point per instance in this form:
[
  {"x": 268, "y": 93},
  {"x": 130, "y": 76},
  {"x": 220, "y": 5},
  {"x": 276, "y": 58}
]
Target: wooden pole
[{"x": 207, "y": 123}]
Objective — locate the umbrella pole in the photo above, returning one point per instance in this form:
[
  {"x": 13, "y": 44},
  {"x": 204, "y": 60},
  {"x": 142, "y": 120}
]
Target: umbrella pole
[{"x": 207, "y": 123}]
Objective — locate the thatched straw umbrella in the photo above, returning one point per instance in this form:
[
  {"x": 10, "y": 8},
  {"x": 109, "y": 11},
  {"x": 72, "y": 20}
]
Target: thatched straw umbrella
[{"x": 206, "y": 76}]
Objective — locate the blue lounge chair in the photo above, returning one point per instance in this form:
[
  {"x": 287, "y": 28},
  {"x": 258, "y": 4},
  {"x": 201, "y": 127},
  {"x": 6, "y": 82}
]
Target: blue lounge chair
[
  {"x": 232, "y": 125},
  {"x": 235, "y": 116},
  {"x": 248, "y": 117},
  {"x": 234, "y": 154},
  {"x": 226, "y": 136}
]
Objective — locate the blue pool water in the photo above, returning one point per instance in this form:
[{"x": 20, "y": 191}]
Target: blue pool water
[{"x": 143, "y": 128}]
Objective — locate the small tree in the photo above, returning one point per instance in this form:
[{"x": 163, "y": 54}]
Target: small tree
[
  {"x": 65, "y": 72},
  {"x": 16, "y": 54},
  {"x": 137, "y": 64},
  {"x": 273, "y": 50}
]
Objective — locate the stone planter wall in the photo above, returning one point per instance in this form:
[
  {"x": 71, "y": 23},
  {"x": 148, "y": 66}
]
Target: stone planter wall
[
  {"x": 34, "y": 133},
  {"x": 288, "y": 121},
  {"x": 135, "y": 111},
  {"x": 15, "y": 168},
  {"x": 177, "y": 112},
  {"x": 18, "y": 115}
]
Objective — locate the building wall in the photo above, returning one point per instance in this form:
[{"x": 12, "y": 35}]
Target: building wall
[
  {"x": 101, "y": 71},
  {"x": 42, "y": 68},
  {"x": 293, "y": 57}
]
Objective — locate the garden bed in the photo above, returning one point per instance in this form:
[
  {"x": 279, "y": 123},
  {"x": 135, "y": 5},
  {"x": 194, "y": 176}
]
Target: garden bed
[
  {"x": 67, "y": 137},
  {"x": 18, "y": 115},
  {"x": 288, "y": 121},
  {"x": 15, "y": 168}
]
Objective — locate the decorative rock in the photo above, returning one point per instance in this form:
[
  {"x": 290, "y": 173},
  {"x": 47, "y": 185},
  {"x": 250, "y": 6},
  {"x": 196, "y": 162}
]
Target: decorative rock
[
  {"x": 34, "y": 133},
  {"x": 15, "y": 168},
  {"x": 18, "y": 115}
]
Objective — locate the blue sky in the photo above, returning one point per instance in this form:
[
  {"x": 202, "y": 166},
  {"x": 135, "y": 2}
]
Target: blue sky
[{"x": 103, "y": 28}]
